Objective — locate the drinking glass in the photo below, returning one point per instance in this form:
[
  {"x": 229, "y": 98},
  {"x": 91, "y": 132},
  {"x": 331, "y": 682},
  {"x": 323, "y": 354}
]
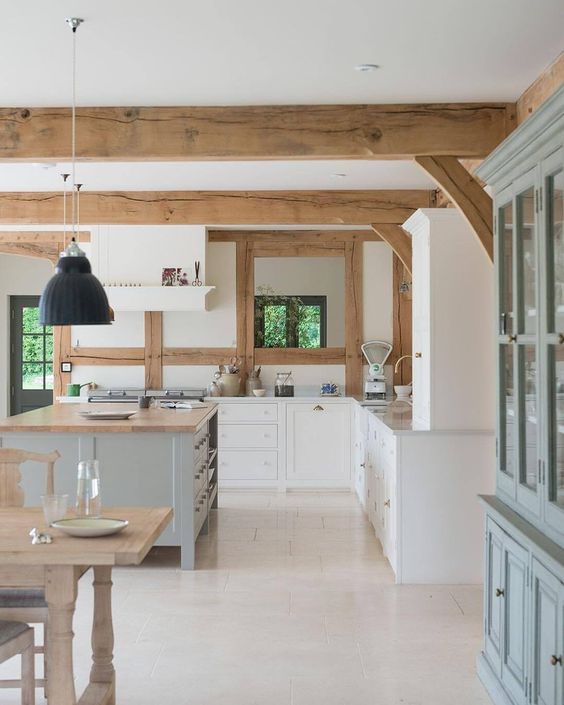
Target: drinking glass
[
  {"x": 54, "y": 507},
  {"x": 88, "y": 499}
]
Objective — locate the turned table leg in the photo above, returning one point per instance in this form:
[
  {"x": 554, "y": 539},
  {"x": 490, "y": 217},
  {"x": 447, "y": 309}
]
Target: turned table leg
[
  {"x": 102, "y": 670},
  {"x": 60, "y": 594}
]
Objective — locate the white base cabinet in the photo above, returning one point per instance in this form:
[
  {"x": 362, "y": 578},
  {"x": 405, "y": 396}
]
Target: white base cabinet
[
  {"x": 421, "y": 500},
  {"x": 285, "y": 444},
  {"x": 521, "y": 662},
  {"x": 318, "y": 444}
]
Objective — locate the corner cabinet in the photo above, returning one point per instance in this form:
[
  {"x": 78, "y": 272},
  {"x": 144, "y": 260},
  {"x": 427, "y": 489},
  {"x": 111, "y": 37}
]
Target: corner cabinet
[
  {"x": 526, "y": 173},
  {"x": 522, "y": 659}
]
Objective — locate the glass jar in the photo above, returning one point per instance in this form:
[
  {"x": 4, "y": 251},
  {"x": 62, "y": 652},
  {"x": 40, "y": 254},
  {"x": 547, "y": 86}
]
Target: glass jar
[
  {"x": 284, "y": 385},
  {"x": 88, "y": 498}
]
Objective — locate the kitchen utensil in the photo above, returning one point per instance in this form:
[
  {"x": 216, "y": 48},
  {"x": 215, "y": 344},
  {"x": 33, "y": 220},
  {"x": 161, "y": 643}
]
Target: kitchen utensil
[
  {"x": 197, "y": 281},
  {"x": 73, "y": 389},
  {"x": 252, "y": 384},
  {"x": 284, "y": 385},
  {"x": 230, "y": 384},
  {"x": 214, "y": 390},
  {"x": 107, "y": 415},
  {"x": 90, "y": 527},
  {"x": 54, "y": 507},
  {"x": 88, "y": 498}
]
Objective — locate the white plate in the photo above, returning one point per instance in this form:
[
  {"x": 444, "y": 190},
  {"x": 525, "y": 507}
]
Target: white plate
[
  {"x": 107, "y": 415},
  {"x": 90, "y": 527}
]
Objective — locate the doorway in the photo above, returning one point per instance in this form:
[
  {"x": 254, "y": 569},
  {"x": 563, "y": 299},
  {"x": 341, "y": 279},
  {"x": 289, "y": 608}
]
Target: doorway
[{"x": 31, "y": 356}]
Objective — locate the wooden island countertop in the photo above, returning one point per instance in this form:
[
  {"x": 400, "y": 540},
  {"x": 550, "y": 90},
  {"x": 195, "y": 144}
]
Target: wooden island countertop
[{"x": 65, "y": 418}]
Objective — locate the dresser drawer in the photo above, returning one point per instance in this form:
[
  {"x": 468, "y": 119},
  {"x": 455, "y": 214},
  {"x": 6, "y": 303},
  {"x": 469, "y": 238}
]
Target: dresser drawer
[
  {"x": 248, "y": 465},
  {"x": 252, "y": 411},
  {"x": 242, "y": 436},
  {"x": 200, "y": 475},
  {"x": 200, "y": 511}
]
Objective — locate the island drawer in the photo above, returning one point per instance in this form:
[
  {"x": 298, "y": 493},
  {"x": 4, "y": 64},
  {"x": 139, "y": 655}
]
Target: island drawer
[
  {"x": 200, "y": 476},
  {"x": 200, "y": 511},
  {"x": 243, "y": 436},
  {"x": 248, "y": 465},
  {"x": 250, "y": 412}
]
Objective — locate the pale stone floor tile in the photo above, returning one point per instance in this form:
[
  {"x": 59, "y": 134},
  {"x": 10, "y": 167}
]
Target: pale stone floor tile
[{"x": 258, "y": 625}]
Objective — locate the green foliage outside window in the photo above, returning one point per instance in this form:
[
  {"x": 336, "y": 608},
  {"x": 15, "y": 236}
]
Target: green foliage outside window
[
  {"x": 283, "y": 321},
  {"x": 37, "y": 351}
]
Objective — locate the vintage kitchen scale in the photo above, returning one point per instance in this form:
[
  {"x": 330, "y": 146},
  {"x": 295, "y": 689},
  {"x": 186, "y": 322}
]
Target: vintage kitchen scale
[{"x": 376, "y": 353}]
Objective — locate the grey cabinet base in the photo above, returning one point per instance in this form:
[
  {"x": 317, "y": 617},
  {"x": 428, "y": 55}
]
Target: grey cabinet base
[{"x": 491, "y": 682}]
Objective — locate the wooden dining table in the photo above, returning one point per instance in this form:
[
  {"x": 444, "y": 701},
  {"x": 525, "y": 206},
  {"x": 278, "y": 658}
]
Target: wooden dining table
[{"x": 57, "y": 567}]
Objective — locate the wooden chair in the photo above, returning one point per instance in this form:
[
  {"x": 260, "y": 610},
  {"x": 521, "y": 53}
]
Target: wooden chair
[
  {"x": 17, "y": 638},
  {"x": 27, "y": 604}
]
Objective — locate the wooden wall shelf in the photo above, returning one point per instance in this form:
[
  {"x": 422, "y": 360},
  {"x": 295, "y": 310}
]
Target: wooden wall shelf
[{"x": 158, "y": 298}]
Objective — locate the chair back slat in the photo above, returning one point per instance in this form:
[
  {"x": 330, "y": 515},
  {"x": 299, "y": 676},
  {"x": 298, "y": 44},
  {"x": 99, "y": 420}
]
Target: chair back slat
[{"x": 11, "y": 493}]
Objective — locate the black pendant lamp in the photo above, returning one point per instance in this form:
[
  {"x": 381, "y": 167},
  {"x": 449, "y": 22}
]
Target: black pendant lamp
[{"x": 74, "y": 296}]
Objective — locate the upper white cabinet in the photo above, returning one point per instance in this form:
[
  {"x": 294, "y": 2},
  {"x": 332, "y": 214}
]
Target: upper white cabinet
[
  {"x": 526, "y": 174},
  {"x": 453, "y": 372},
  {"x": 318, "y": 444}
]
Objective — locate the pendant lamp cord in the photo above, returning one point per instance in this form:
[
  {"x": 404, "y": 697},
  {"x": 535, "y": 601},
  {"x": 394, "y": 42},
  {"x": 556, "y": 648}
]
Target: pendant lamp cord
[{"x": 73, "y": 128}]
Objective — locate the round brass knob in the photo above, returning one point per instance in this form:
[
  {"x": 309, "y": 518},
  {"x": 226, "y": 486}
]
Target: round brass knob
[
  {"x": 418, "y": 354},
  {"x": 387, "y": 503},
  {"x": 363, "y": 465},
  {"x": 499, "y": 592},
  {"x": 555, "y": 660},
  {"x": 511, "y": 338}
]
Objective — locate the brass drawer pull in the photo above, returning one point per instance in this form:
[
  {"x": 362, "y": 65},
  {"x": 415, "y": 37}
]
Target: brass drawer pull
[
  {"x": 499, "y": 592},
  {"x": 418, "y": 354},
  {"x": 555, "y": 660},
  {"x": 511, "y": 338},
  {"x": 318, "y": 407},
  {"x": 387, "y": 503}
]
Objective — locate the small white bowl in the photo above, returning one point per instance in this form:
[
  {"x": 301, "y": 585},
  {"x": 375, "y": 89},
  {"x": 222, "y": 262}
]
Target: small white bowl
[
  {"x": 403, "y": 390},
  {"x": 259, "y": 392}
]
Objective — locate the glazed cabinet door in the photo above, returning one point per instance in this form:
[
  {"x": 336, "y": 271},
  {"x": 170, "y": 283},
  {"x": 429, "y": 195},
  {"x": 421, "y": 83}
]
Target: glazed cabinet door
[
  {"x": 552, "y": 340},
  {"x": 548, "y": 604}
]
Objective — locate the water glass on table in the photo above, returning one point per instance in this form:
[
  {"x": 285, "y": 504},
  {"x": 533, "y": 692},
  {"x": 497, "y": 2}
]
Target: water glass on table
[
  {"x": 54, "y": 507},
  {"x": 88, "y": 498}
]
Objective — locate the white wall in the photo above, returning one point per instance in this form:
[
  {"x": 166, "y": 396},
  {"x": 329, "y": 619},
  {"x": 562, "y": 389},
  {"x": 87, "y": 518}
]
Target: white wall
[{"x": 18, "y": 276}]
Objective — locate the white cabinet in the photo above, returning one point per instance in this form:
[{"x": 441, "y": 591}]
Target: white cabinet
[
  {"x": 318, "y": 444},
  {"x": 452, "y": 336},
  {"x": 547, "y": 636},
  {"x": 360, "y": 462}
]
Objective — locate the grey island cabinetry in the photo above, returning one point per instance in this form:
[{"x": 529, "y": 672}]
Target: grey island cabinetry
[
  {"x": 159, "y": 457},
  {"x": 523, "y": 652}
]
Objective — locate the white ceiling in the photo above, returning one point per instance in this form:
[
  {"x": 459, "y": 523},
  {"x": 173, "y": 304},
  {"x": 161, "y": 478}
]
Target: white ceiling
[
  {"x": 221, "y": 52},
  {"x": 223, "y": 176}
]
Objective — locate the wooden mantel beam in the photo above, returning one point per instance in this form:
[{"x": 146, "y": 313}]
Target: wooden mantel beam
[
  {"x": 466, "y": 194},
  {"x": 398, "y": 239},
  {"x": 256, "y": 132},
  {"x": 220, "y": 207}
]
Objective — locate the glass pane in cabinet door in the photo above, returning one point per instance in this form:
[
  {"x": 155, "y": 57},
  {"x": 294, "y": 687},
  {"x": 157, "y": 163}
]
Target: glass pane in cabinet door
[
  {"x": 528, "y": 382},
  {"x": 527, "y": 260},
  {"x": 505, "y": 217},
  {"x": 555, "y": 188},
  {"x": 556, "y": 462},
  {"x": 507, "y": 418}
]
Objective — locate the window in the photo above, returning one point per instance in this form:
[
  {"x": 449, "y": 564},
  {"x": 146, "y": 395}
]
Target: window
[
  {"x": 37, "y": 351},
  {"x": 290, "y": 321}
]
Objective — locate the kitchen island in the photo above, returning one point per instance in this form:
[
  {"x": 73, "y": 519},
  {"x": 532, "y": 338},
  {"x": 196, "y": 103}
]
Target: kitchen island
[{"x": 159, "y": 457}]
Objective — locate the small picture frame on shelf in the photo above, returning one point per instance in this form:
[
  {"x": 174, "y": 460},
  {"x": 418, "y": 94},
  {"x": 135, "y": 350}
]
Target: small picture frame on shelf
[
  {"x": 183, "y": 278},
  {"x": 170, "y": 276}
]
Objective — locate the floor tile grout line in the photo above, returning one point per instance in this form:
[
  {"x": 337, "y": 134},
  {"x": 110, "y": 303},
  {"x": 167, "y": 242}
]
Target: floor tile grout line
[
  {"x": 456, "y": 602},
  {"x": 361, "y": 659},
  {"x": 157, "y": 660},
  {"x": 143, "y": 629}
]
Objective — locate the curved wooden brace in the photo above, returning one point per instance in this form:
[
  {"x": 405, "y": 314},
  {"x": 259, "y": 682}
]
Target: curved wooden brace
[
  {"x": 466, "y": 194},
  {"x": 398, "y": 239}
]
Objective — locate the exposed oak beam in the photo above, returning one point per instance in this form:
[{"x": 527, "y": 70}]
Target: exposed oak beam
[
  {"x": 197, "y": 356},
  {"x": 300, "y": 356},
  {"x": 153, "y": 349},
  {"x": 50, "y": 251},
  {"x": 40, "y": 236},
  {"x": 107, "y": 356},
  {"x": 466, "y": 194},
  {"x": 398, "y": 240},
  {"x": 220, "y": 207},
  {"x": 542, "y": 88},
  {"x": 309, "y": 237},
  {"x": 257, "y": 132}
]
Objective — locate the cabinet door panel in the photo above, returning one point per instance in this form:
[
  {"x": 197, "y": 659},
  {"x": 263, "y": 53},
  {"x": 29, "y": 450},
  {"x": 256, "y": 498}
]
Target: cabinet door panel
[
  {"x": 318, "y": 442},
  {"x": 546, "y": 640},
  {"x": 513, "y": 666},
  {"x": 493, "y": 602}
]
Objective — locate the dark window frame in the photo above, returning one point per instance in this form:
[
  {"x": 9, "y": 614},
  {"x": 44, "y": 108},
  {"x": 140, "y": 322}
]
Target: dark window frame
[{"x": 290, "y": 301}]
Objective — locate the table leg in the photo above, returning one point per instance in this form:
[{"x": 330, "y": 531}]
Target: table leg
[
  {"x": 102, "y": 670},
  {"x": 60, "y": 595}
]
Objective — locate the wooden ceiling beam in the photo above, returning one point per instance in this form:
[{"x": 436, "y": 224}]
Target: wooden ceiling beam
[
  {"x": 50, "y": 251},
  {"x": 40, "y": 237},
  {"x": 398, "y": 239},
  {"x": 542, "y": 88},
  {"x": 220, "y": 207},
  {"x": 294, "y": 236},
  {"x": 256, "y": 132},
  {"x": 466, "y": 193}
]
